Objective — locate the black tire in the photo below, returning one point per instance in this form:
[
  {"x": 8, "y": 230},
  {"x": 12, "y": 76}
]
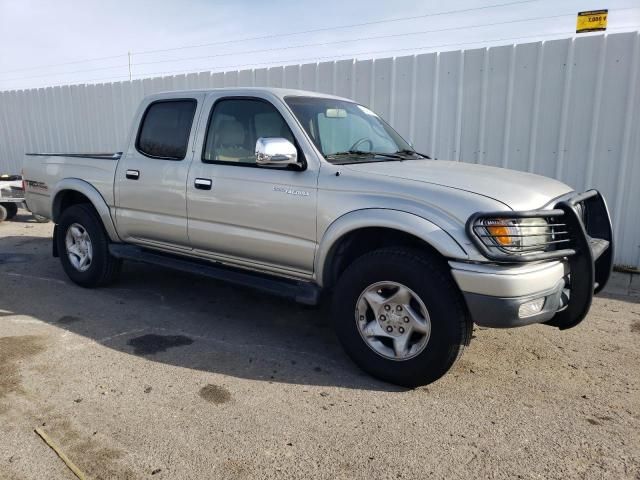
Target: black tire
[
  {"x": 12, "y": 210},
  {"x": 427, "y": 276},
  {"x": 4, "y": 213},
  {"x": 104, "y": 268}
]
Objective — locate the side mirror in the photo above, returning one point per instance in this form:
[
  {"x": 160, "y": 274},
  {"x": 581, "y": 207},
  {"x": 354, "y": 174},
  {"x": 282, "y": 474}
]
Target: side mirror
[{"x": 275, "y": 152}]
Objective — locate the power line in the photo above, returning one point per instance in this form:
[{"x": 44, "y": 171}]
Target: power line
[
  {"x": 324, "y": 29},
  {"x": 65, "y": 63},
  {"x": 66, "y": 73},
  {"x": 379, "y": 37},
  {"x": 374, "y": 52},
  {"x": 290, "y": 47},
  {"x": 317, "y": 44},
  {"x": 277, "y": 35},
  {"x": 335, "y": 57}
]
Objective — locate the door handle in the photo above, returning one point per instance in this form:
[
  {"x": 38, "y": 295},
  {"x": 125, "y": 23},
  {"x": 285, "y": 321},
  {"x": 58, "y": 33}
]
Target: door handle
[
  {"x": 203, "y": 183},
  {"x": 133, "y": 174}
]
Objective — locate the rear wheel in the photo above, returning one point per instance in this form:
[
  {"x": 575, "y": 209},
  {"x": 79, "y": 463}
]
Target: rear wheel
[
  {"x": 84, "y": 248},
  {"x": 12, "y": 210},
  {"x": 400, "y": 316},
  {"x": 3, "y": 212}
]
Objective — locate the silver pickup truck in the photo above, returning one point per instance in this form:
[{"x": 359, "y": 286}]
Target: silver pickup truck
[{"x": 308, "y": 196}]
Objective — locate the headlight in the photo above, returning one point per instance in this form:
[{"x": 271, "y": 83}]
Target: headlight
[{"x": 517, "y": 234}]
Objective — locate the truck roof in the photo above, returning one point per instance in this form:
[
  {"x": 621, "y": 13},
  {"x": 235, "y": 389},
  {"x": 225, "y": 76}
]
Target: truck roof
[{"x": 278, "y": 92}]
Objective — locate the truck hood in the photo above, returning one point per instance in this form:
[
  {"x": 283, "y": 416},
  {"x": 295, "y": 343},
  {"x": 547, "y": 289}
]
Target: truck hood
[{"x": 517, "y": 190}]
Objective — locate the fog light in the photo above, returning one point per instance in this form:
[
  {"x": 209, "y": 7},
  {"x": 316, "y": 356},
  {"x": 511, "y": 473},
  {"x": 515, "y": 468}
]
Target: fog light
[{"x": 531, "y": 307}]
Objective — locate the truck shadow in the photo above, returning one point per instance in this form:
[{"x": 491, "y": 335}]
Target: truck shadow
[
  {"x": 181, "y": 320},
  {"x": 23, "y": 216}
]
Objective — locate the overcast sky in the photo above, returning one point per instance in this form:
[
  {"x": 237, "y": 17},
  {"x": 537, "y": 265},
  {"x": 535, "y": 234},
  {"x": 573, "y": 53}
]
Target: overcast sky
[{"x": 38, "y": 35}]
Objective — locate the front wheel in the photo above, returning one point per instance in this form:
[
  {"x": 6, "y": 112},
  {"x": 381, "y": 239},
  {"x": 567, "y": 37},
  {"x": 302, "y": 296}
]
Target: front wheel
[
  {"x": 84, "y": 248},
  {"x": 400, "y": 316}
]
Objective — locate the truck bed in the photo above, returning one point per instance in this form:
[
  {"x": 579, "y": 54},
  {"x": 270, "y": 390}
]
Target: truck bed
[{"x": 43, "y": 171}]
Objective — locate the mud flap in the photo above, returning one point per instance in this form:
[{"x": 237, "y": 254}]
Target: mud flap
[{"x": 54, "y": 246}]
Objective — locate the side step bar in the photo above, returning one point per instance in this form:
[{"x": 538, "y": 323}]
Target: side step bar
[{"x": 306, "y": 293}]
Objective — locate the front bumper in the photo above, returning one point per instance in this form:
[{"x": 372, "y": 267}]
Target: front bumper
[
  {"x": 566, "y": 279},
  {"x": 494, "y": 293},
  {"x": 504, "y": 312}
]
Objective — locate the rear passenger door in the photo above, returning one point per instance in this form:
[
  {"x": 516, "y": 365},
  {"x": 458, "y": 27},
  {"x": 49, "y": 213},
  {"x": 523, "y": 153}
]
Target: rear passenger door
[
  {"x": 150, "y": 183},
  {"x": 244, "y": 214}
]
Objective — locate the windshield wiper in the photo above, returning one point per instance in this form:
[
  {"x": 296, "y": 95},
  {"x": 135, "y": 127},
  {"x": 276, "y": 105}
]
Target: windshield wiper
[
  {"x": 396, "y": 155},
  {"x": 407, "y": 151}
]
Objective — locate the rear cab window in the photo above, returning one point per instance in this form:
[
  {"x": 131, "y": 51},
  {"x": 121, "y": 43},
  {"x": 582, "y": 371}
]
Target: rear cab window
[{"x": 165, "y": 128}]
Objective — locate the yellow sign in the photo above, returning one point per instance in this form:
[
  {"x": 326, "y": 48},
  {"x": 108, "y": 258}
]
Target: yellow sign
[{"x": 592, "y": 21}]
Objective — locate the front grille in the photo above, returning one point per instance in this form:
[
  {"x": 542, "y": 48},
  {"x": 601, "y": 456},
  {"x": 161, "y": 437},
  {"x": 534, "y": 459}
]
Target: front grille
[
  {"x": 11, "y": 192},
  {"x": 560, "y": 235}
]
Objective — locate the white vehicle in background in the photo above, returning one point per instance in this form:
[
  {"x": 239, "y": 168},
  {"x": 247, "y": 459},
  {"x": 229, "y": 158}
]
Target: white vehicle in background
[{"x": 11, "y": 196}]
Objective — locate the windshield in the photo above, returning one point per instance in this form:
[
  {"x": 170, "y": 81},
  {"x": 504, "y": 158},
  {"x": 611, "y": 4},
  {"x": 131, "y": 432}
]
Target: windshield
[{"x": 346, "y": 132}]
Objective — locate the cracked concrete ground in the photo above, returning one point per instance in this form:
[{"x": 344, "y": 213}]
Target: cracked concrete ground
[{"x": 166, "y": 375}]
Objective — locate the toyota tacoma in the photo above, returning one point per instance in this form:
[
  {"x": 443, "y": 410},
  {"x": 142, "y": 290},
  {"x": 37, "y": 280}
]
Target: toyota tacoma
[{"x": 312, "y": 196}]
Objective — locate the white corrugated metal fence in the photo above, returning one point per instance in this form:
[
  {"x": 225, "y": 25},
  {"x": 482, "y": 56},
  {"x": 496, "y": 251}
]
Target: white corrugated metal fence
[{"x": 568, "y": 109}]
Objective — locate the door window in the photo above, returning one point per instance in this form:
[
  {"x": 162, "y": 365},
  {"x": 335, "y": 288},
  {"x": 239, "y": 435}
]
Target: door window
[
  {"x": 236, "y": 125},
  {"x": 165, "y": 128}
]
